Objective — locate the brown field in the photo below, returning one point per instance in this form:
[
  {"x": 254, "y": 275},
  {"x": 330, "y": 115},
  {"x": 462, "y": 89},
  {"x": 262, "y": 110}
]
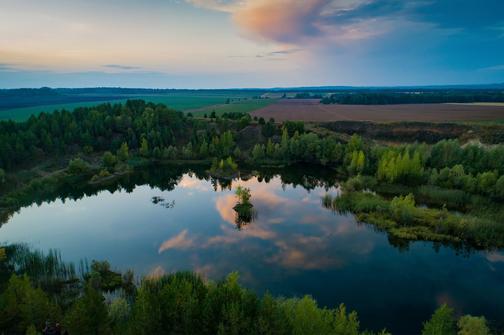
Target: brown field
[{"x": 312, "y": 110}]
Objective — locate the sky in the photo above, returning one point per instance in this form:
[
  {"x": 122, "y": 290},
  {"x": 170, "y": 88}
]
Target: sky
[{"x": 250, "y": 43}]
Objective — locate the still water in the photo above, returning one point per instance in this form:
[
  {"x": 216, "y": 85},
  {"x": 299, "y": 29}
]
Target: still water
[{"x": 292, "y": 248}]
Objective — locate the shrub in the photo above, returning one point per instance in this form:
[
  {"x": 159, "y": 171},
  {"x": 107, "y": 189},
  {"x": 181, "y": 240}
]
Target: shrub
[
  {"x": 109, "y": 160},
  {"x": 77, "y": 166},
  {"x": 359, "y": 183},
  {"x": 472, "y": 325},
  {"x": 403, "y": 208}
]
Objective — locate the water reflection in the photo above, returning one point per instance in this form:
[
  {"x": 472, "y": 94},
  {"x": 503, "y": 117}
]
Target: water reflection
[{"x": 292, "y": 246}]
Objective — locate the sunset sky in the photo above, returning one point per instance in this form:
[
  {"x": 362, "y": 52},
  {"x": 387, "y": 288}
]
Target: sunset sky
[{"x": 250, "y": 43}]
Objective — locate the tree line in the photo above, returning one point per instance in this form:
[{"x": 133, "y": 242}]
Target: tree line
[{"x": 391, "y": 98}]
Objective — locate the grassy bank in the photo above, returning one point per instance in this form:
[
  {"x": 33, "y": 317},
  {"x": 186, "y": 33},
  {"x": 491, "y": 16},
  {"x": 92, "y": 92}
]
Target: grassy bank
[{"x": 402, "y": 219}]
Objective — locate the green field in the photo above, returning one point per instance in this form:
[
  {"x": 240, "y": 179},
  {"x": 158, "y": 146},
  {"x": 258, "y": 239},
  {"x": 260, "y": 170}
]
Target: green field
[
  {"x": 243, "y": 106},
  {"x": 181, "y": 101}
]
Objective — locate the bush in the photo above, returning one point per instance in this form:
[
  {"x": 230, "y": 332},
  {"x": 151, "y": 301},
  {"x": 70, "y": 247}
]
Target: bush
[
  {"x": 403, "y": 208},
  {"x": 77, "y": 166},
  {"x": 102, "y": 174},
  {"x": 472, "y": 325},
  {"x": 109, "y": 160},
  {"x": 359, "y": 183}
]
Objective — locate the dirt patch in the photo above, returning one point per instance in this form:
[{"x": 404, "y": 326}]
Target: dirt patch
[{"x": 312, "y": 110}]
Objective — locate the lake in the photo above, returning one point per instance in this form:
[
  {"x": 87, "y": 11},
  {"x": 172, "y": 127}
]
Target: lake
[{"x": 163, "y": 220}]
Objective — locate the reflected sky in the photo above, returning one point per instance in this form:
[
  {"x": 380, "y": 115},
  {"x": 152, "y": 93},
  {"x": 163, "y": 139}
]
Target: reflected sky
[{"x": 293, "y": 247}]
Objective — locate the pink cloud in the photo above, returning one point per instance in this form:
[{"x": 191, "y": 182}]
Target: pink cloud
[
  {"x": 281, "y": 21},
  {"x": 296, "y": 22},
  {"x": 180, "y": 241}
]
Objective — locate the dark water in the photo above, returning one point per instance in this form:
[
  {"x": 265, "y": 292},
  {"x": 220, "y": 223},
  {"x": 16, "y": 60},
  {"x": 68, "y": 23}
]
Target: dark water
[{"x": 294, "y": 246}]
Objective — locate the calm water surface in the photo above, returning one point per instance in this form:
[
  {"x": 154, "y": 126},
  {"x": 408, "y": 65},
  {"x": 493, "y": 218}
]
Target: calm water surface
[{"x": 294, "y": 247}]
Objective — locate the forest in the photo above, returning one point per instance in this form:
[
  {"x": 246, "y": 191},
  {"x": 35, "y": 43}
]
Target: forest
[
  {"x": 421, "y": 97},
  {"x": 39, "y": 291}
]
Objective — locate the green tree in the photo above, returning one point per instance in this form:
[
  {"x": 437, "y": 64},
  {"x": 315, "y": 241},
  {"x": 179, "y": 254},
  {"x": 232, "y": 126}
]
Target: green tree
[
  {"x": 345, "y": 324},
  {"x": 486, "y": 182},
  {"x": 237, "y": 153},
  {"x": 22, "y": 306},
  {"x": 258, "y": 152},
  {"x": 499, "y": 188},
  {"x": 170, "y": 153},
  {"x": 89, "y": 314},
  {"x": 355, "y": 143},
  {"x": 187, "y": 151},
  {"x": 109, "y": 160},
  {"x": 306, "y": 318},
  {"x": 403, "y": 208},
  {"x": 77, "y": 166},
  {"x": 123, "y": 152},
  {"x": 119, "y": 313},
  {"x": 203, "y": 149},
  {"x": 472, "y": 325},
  {"x": 2, "y": 176},
  {"x": 442, "y": 322},
  {"x": 270, "y": 149},
  {"x": 357, "y": 162},
  {"x": 144, "y": 148}
]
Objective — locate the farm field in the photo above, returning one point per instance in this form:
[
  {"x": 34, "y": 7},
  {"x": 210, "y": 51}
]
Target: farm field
[
  {"x": 312, "y": 110},
  {"x": 181, "y": 101},
  {"x": 242, "y": 106}
]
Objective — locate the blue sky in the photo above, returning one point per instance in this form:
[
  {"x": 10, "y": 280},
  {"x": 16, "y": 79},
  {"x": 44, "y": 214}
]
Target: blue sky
[{"x": 250, "y": 43}]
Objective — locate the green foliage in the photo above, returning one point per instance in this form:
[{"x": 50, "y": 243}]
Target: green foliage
[
  {"x": 77, "y": 166},
  {"x": 101, "y": 175},
  {"x": 89, "y": 314},
  {"x": 359, "y": 183},
  {"x": 109, "y": 160},
  {"x": 103, "y": 278},
  {"x": 472, "y": 325},
  {"x": 119, "y": 313},
  {"x": 243, "y": 194},
  {"x": 400, "y": 167},
  {"x": 357, "y": 162},
  {"x": 403, "y": 208},
  {"x": 390, "y": 98},
  {"x": 22, "y": 306},
  {"x": 294, "y": 127},
  {"x": 258, "y": 152},
  {"x": 355, "y": 144},
  {"x": 144, "y": 148},
  {"x": 123, "y": 152},
  {"x": 170, "y": 153},
  {"x": 499, "y": 188},
  {"x": 2, "y": 176},
  {"x": 442, "y": 322},
  {"x": 402, "y": 219},
  {"x": 224, "y": 166}
]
